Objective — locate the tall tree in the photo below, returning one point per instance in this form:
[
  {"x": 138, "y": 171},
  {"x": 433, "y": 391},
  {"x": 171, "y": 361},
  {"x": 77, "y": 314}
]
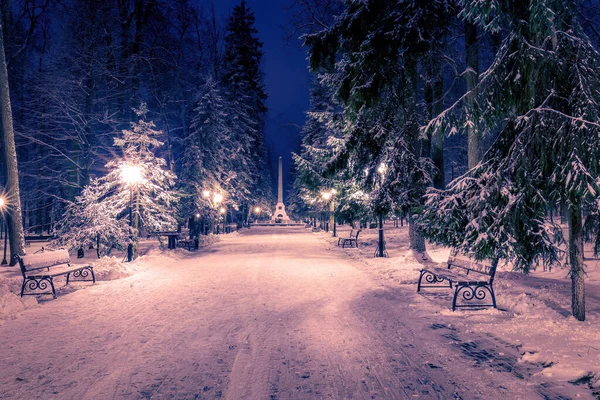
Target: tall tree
[
  {"x": 372, "y": 56},
  {"x": 243, "y": 81},
  {"x": 13, "y": 199},
  {"x": 541, "y": 95}
]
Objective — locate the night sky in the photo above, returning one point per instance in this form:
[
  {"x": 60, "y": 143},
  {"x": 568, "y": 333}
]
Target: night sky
[{"x": 286, "y": 78}]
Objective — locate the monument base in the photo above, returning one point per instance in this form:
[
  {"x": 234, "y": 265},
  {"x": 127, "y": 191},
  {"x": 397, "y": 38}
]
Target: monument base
[{"x": 280, "y": 216}]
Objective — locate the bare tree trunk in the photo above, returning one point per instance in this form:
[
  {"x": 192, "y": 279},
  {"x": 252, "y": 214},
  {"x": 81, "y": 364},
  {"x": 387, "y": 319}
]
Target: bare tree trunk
[
  {"x": 472, "y": 78},
  {"x": 416, "y": 239},
  {"x": 14, "y": 216},
  {"x": 437, "y": 140},
  {"x": 576, "y": 261}
]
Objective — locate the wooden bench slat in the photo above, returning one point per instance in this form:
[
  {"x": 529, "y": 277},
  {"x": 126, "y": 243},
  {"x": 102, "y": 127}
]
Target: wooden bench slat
[{"x": 470, "y": 265}]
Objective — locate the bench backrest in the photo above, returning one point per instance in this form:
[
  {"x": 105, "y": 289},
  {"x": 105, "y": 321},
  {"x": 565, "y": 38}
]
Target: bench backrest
[
  {"x": 467, "y": 264},
  {"x": 351, "y": 233},
  {"x": 357, "y": 233},
  {"x": 43, "y": 260}
]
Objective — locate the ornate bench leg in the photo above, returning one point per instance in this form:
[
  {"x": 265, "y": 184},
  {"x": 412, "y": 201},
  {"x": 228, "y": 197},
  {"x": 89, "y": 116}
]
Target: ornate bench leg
[
  {"x": 38, "y": 283},
  {"x": 81, "y": 275},
  {"x": 52, "y": 286},
  {"x": 493, "y": 295},
  {"x": 420, "y": 279},
  {"x": 458, "y": 288},
  {"x": 474, "y": 292}
]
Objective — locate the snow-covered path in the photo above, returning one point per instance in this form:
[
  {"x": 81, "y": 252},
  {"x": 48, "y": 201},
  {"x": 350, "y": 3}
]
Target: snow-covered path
[{"x": 270, "y": 314}]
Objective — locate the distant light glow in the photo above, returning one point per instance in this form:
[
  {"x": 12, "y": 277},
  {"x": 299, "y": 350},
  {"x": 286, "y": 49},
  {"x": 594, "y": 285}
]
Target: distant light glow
[
  {"x": 2, "y": 202},
  {"x": 218, "y": 198},
  {"x": 197, "y": 215},
  {"x": 257, "y": 210},
  {"x": 206, "y": 193},
  {"x": 333, "y": 191},
  {"x": 131, "y": 174},
  {"x": 326, "y": 195},
  {"x": 382, "y": 168},
  {"x": 222, "y": 210}
]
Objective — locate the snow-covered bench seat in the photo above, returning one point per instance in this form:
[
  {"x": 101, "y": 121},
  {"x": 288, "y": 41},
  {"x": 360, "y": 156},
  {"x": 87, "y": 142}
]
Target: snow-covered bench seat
[
  {"x": 40, "y": 269},
  {"x": 473, "y": 288}
]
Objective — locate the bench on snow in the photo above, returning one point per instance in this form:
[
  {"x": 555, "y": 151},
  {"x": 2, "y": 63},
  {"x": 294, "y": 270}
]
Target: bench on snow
[
  {"x": 351, "y": 241},
  {"x": 472, "y": 288},
  {"x": 39, "y": 271},
  {"x": 37, "y": 238}
]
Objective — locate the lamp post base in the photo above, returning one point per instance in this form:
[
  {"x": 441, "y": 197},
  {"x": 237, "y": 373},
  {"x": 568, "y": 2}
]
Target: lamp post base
[{"x": 129, "y": 252}]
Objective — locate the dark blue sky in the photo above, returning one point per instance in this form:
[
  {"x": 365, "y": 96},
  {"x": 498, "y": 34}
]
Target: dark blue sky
[{"x": 286, "y": 78}]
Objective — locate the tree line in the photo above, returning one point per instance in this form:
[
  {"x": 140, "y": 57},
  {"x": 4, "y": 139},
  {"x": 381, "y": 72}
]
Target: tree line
[
  {"x": 405, "y": 89},
  {"x": 96, "y": 85}
]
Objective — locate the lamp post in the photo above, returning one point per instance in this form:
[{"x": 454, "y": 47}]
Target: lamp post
[
  {"x": 132, "y": 176},
  {"x": 223, "y": 212},
  {"x": 328, "y": 196},
  {"x": 218, "y": 198},
  {"x": 381, "y": 242},
  {"x": 196, "y": 225},
  {"x": 214, "y": 203},
  {"x": 257, "y": 214},
  {"x": 2, "y": 209}
]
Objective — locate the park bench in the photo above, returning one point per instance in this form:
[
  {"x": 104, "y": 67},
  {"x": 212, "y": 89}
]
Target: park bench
[
  {"x": 349, "y": 237},
  {"x": 39, "y": 271},
  {"x": 351, "y": 241},
  {"x": 172, "y": 237},
  {"x": 471, "y": 280},
  {"x": 37, "y": 238}
]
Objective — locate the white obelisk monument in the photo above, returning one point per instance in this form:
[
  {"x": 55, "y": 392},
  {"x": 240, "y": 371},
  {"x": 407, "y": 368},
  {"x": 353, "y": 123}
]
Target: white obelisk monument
[{"x": 279, "y": 216}]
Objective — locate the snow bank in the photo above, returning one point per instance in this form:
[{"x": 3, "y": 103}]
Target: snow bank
[
  {"x": 534, "y": 310},
  {"x": 107, "y": 268},
  {"x": 10, "y": 302},
  {"x": 111, "y": 268}
]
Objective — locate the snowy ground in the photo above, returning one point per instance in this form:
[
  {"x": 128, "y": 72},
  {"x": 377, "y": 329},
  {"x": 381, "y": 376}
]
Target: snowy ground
[
  {"x": 273, "y": 313},
  {"x": 534, "y": 316}
]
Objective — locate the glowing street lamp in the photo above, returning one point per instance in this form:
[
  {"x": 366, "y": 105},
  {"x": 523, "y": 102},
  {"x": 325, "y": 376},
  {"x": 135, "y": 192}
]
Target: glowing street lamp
[
  {"x": 2, "y": 209},
  {"x": 328, "y": 196},
  {"x": 223, "y": 212},
  {"x": 214, "y": 201},
  {"x": 132, "y": 176},
  {"x": 257, "y": 210}
]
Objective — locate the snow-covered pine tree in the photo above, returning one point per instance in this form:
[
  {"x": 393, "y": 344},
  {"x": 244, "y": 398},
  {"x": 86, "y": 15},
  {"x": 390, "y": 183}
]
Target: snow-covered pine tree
[
  {"x": 372, "y": 57},
  {"x": 541, "y": 95},
  {"x": 100, "y": 215},
  {"x": 246, "y": 94},
  {"x": 153, "y": 196},
  {"x": 93, "y": 221},
  {"x": 207, "y": 157}
]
